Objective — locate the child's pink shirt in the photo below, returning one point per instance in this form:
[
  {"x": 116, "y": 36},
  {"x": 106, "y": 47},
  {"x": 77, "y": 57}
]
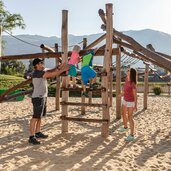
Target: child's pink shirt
[
  {"x": 74, "y": 58},
  {"x": 128, "y": 91}
]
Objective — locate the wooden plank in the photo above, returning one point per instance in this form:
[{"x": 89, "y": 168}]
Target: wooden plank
[
  {"x": 146, "y": 63},
  {"x": 15, "y": 88},
  {"x": 103, "y": 73},
  {"x": 106, "y": 64},
  {"x": 80, "y": 89},
  {"x": 110, "y": 98},
  {"x": 47, "y": 48},
  {"x": 100, "y": 52},
  {"x": 146, "y": 85},
  {"x": 119, "y": 42},
  {"x": 84, "y": 119},
  {"x": 97, "y": 41},
  {"x": 156, "y": 57},
  {"x": 12, "y": 96},
  {"x": 83, "y": 99},
  {"x": 169, "y": 85},
  {"x": 141, "y": 56},
  {"x": 102, "y": 15},
  {"x": 0, "y": 46},
  {"x": 164, "y": 55},
  {"x": 84, "y": 43},
  {"x": 118, "y": 86},
  {"x": 148, "y": 59},
  {"x": 57, "y": 98},
  {"x": 83, "y": 104},
  {"x": 90, "y": 94},
  {"x": 32, "y": 56},
  {"x": 64, "y": 41}
]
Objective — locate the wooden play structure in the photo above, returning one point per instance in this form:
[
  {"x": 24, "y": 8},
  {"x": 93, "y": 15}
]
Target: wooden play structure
[{"x": 111, "y": 36}]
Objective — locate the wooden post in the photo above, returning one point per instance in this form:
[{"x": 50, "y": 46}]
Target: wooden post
[
  {"x": 146, "y": 85},
  {"x": 57, "y": 104},
  {"x": 0, "y": 46},
  {"x": 118, "y": 86},
  {"x": 64, "y": 60},
  {"x": 106, "y": 65},
  {"x": 83, "y": 97},
  {"x": 43, "y": 51},
  {"x": 84, "y": 43},
  {"x": 110, "y": 87},
  {"x": 169, "y": 84},
  {"x": 90, "y": 94}
]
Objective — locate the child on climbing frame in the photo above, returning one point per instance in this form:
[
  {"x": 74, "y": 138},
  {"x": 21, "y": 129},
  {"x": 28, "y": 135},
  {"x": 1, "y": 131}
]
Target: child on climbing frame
[
  {"x": 73, "y": 61},
  {"x": 87, "y": 72}
]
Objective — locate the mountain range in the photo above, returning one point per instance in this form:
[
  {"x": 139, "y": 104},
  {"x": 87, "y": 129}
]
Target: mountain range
[{"x": 13, "y": 46}]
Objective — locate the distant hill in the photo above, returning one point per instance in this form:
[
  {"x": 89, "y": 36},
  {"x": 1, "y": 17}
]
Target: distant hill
[{"x": 160, "y": 41}]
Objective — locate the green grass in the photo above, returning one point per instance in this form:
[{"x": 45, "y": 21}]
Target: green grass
[
  {"x": 7, "y": 81},
  {"x": 10, "y": 77}
]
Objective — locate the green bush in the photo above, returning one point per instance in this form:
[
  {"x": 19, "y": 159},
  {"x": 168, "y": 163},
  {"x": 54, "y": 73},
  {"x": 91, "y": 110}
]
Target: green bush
[{"x": 157, "y": 90}]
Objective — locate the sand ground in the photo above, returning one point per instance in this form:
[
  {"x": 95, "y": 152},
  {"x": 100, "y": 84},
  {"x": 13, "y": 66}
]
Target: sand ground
[{"x": 83, "y": 148}]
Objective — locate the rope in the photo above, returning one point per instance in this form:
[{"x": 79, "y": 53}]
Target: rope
[
  {"x": 35, "y": 44},
  {"x": 21, "y": 39}
]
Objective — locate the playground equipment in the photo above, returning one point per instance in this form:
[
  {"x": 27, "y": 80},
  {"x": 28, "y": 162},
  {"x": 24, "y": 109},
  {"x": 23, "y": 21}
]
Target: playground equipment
[{"x": 111, "y": 36}]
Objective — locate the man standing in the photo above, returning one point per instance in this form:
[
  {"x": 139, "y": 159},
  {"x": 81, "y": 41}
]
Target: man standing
[{"x": 39, "y": 96}]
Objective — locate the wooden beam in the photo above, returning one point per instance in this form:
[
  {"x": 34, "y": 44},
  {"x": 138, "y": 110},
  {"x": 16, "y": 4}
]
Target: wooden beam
[
  {"x": 84, "y": 43},
  {"x": 84, "y": 119},
  {"x": 32, "y": 56},
  {"x": 47, "y": 48},
  {"x": 83, "y": 104},
  {"x": 100, "y": 52},
  {"x": 119, "y": 42},
  {"x": 0, "y": 46},
  {"x": 148, "y": 59},
  {"x": 83, "y": 99},
  {"x": 57, "y": 98},
  {"x": 64, "y": 41},
  {"x": 164, "y": 55},
  {"x": 156, "y": 57},
  {"x": 12, "y": 96},
  {"x": 101, "y": 38},
  {"x": 80, "y": 89},
  {"x": 146, "y": 85},
  {"x": 102, "y": 15},
  {"x": 118, "y": 86},
  {"x": 106, "y": 64},
  {"x": 15, "y": 88},
  {"x": 142, "y": 56}
]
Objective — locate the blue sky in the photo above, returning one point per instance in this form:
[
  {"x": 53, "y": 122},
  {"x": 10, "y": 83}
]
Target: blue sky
[{"x": 43, "y": 17}]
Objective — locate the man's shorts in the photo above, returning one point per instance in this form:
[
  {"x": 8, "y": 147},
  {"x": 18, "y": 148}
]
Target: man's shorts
[
  {"x": 87, "y": 73},
  {"x": 72, "y": 71},
  {"x": 39, "y": 107},
  {"x": 128, "y": 104}
]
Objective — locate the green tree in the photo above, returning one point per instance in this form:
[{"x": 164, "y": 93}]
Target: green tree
[
  {"x": 10, "y": 21},
  {"x": 13, "y": 68},
  {"x": 30, "y": 66}
]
